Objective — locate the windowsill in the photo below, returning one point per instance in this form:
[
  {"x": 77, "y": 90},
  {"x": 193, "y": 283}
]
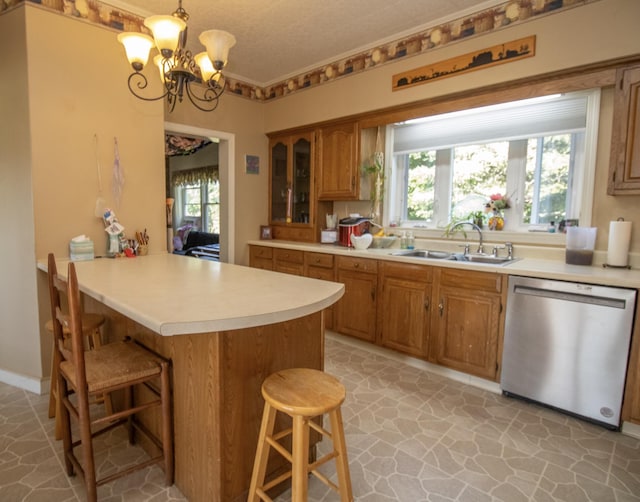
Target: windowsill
[{"x": 543, "y": 239}]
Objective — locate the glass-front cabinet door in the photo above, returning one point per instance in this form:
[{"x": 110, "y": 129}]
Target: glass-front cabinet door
[
  {"x": 292, "y": 205},
  {"x": 279, "y": 181},
  {"x": 301, "y": 186}
]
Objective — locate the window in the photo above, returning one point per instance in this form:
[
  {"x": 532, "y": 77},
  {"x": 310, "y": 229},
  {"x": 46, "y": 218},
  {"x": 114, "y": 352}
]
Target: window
[
  {"x": 201, "y": 203},
  {"x": 539, "y": 153}
]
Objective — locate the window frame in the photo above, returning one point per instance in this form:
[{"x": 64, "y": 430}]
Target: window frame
[
  {"x": 584, "y": 187},
  {"x": 203, "y": 217}
]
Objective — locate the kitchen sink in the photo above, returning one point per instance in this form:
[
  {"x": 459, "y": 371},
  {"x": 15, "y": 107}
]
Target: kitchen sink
[
  {"x": 484, "y": 258},
  {"x": 461, "y": 257},
  {"x": 425, "y": 253}
]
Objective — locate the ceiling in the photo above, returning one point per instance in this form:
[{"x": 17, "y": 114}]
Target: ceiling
[{"x": 280, "y": 38}]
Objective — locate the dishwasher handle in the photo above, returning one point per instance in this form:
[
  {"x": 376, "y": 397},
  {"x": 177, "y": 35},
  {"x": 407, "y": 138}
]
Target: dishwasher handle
[{"x": 570, "y": 297}]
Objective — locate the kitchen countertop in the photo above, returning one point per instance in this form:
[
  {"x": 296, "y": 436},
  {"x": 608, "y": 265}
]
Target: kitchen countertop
[
  {"x": 529, "y": 267},
  {"x": 175, "y": 295}
]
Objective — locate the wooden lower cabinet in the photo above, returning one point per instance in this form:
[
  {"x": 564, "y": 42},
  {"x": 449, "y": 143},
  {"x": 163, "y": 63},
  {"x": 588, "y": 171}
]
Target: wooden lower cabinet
[
  {"x": 289, "y": 261},
  {"x": 469, "y": 322},
  {"x": 321, "y": 266},
  {"x": 261, "y": 257},
  {"x": 404, "y": 307},
  {"x": 356, "y": 310},
  {"x": 450, "y": 317}
]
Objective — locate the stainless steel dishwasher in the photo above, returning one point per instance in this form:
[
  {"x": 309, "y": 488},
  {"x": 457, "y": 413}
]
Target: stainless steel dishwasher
[{"x": 566, "y": 345}]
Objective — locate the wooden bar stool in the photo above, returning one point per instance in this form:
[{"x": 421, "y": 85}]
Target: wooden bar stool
[
  {"x": 91, "y": 324},
  {"x": 301, "y": 393}
]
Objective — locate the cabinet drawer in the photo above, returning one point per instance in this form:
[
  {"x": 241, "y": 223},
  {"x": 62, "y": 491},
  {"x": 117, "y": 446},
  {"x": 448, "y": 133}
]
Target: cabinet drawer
[
  {"x": 358, "y": 264},
  {"x": 325, "y": 274},
  {"x": 318, "y": 260},
  {"x": 261, "y": 252},
  {"x": 469, "y": 279},
  {"x": 408, "y": 271},
  {"x": 289, "y": 255}
]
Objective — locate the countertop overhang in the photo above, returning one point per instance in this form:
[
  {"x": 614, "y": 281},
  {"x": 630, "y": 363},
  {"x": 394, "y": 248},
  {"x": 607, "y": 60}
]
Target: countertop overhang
[
  {"x": 175, "y": 295},
  {"x": 528, "y": 267}
]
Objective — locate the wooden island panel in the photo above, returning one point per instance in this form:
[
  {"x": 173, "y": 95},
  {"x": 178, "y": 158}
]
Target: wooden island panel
[{"x": 217, "y": 400}]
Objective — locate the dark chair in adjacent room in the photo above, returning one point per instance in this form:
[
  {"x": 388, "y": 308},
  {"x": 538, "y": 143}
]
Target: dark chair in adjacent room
[
  {"x": 111, "y": 367},
  {"x": 302, "y": 394}
]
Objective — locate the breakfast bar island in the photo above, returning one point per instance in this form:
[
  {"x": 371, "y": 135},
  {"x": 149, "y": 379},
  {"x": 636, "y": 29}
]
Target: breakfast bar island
[{"x": 225, "y": 328}]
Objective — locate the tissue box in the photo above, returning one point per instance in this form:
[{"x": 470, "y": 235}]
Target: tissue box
[{"x": 81, "y": 251}]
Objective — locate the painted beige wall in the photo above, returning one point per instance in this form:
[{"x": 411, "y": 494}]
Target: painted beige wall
[
  {"x": 596, "y": 32},
  {"x": 19, "y": 330},
  {"x": 57, "y": 105}
]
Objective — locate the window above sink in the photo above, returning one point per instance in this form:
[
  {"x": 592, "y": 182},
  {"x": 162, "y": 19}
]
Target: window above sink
[{"x": 539, "y": 153}]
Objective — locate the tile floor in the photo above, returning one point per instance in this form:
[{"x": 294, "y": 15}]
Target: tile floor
[{"x": 412, "y": 436}]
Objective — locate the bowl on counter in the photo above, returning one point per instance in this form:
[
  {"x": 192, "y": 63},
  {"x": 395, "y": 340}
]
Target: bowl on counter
[
  {"x": 380, "y": 242},
  {"x": 361, "y": 242}
]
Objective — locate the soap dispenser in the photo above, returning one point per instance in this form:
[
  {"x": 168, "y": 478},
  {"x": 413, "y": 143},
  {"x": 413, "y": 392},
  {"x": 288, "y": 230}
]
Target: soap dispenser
[
  {"x": 403, "y": 240},
  {"x": 411, "y": 241}
]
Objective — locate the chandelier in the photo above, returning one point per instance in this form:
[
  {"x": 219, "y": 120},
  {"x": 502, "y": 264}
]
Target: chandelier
[{"x": 198, "y": 77}]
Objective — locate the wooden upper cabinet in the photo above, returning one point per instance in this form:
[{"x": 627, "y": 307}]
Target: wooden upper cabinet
[
  {"x": 338, "y": 173},
  {"x": 624, "y": 170},
  {"x": 292, "y": 208}
]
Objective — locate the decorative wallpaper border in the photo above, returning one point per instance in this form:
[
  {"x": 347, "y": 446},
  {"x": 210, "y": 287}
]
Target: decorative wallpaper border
[{"x": 485, "y": 21}]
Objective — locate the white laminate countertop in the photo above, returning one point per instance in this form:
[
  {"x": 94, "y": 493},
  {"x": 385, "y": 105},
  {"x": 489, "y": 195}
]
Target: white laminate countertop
[
  {"x": 529, "y": 267},
  {"x": 173, "y": 295}
]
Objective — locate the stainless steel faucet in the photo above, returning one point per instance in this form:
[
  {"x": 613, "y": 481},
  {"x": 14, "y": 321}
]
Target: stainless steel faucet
[{"x": 475, "y": 227}]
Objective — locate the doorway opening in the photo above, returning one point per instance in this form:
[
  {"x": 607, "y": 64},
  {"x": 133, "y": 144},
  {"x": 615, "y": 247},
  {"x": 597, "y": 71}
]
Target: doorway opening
[{"x": 223, "y": 201}]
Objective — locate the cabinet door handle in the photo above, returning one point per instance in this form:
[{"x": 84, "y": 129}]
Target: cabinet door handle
[
  {"x": 426, "y": 304},
  {"x": 373, "y": 294},
  {"x": 356, "y": 265},
  {"x": 441, "y": 307}
]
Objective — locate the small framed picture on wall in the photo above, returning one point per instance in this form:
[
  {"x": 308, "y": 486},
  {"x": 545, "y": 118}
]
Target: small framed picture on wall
[
  {"x": 265, "y": 232},
  {"x": 252, "y": 164}
]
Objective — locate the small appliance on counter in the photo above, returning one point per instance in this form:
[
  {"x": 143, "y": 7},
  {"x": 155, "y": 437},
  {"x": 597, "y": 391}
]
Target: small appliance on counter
[
  {"x": 354, "y": 225},
  {"x": 330, "y": 234}
]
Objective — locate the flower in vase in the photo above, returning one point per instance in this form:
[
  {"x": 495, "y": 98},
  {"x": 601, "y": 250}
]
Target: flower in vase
[{"x": 497, "y": 202}]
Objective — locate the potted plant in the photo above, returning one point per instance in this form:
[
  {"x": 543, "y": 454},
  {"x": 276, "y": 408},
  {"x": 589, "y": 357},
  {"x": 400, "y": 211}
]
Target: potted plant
[
  {"x": 477, "y": 217},
  {"x": 375, "y": 169}
]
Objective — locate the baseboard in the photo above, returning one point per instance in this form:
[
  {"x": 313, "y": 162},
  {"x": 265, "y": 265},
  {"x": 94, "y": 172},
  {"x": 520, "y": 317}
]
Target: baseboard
[
  {"x": 631, "y": 429},
  {"x": 458, "y": 376},
  {"x": 30, "y": 384}
]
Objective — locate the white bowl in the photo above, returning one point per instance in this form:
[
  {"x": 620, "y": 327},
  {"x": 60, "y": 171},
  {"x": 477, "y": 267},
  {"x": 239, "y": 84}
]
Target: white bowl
[{"x": 361, "y": 241}]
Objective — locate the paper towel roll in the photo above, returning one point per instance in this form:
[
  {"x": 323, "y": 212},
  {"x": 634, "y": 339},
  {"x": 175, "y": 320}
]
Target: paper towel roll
[{"x": 619, "y": 240}]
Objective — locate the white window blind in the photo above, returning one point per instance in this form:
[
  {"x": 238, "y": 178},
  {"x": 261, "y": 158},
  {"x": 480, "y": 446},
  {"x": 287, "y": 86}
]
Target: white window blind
[{"x": 520, "y": 119}]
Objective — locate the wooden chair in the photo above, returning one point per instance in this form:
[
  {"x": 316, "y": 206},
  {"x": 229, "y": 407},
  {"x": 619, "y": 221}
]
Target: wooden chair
[
  {"x": 302, "y": 394},
  {"x": 110, "y": 367},
  {"x": 91, "y": 324}
]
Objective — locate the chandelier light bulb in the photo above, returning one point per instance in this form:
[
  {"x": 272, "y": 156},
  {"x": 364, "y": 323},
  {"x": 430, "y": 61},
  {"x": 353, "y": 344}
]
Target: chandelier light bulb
[
  {"x": 217, "y": 43},
  {"x": 205, "y": 64},
  {"x": 137, "y": 47},
  {"x": 164, "y": 67},
  {"x": 166, "y": 32}
]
